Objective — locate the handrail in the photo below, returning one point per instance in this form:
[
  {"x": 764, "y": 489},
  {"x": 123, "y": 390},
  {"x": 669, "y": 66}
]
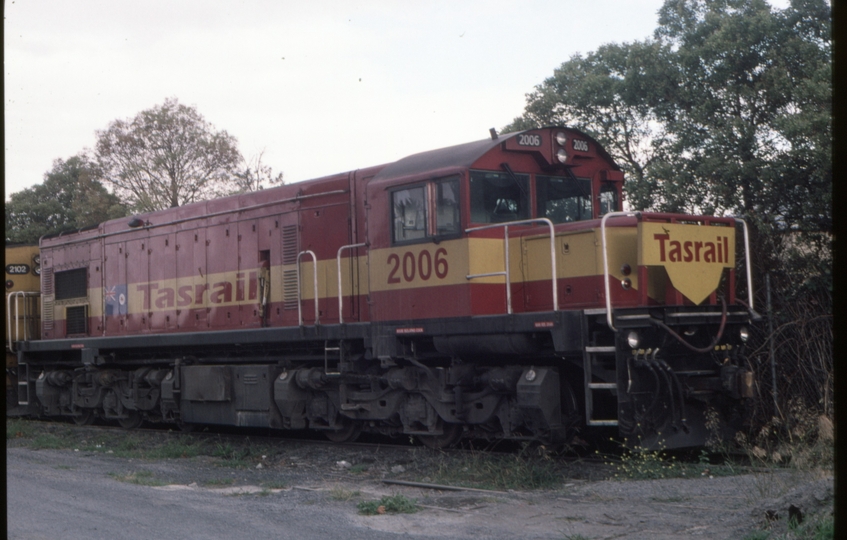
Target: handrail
[
  {"x": 299, "y": 293},
  {"x": 606, "y": 262},
  {"x": 506, "y": 273},
  {"x": 638, "y": 215},
  {"x": 747, "y": 264},
  {"x": 338, "y": 263},
  {"x": 9, "y": 299}
]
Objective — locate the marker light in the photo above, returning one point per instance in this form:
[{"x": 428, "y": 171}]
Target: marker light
[
  {"x": 562, "y": 155},
  {"x": 561, "y": 138},
  {"x": 744, "y": 334},
  {"x": 626, "y": 283},
  {"x": 626, "y": 269},
  {"x": 633, "y": 339}
]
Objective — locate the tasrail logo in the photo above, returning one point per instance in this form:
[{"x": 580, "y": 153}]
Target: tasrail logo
[
  {"x": 244, "y": 288},
  {"x": 693, "y": 255},
  {"x": 692, "y": 250}
]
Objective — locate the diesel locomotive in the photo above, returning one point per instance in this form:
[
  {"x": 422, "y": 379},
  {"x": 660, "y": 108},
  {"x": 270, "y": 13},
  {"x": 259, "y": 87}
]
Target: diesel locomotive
[{"x": 494, "y": 289}]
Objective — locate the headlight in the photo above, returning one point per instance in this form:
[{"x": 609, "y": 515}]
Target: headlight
[
  {"x": 633, "y": 340},
  {"x": 626, "y": 283},
  {"x": 561, "y": 138},
  {"x": 744, "y": 334},
  {"x": 562, "y": 155}
]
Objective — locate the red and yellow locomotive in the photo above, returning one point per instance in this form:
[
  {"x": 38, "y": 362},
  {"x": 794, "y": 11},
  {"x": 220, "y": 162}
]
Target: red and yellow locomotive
[{"x": 492, "y": 289}]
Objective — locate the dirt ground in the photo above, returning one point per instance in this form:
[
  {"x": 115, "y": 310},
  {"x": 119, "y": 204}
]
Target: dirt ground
[{"x": 584, "y": 502}]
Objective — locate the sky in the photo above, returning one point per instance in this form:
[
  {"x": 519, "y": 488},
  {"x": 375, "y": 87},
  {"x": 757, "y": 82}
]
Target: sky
[{"x": 316, "y": 87}]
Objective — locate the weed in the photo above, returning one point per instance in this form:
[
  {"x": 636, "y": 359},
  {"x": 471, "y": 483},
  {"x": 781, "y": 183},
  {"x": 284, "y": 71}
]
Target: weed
[
  {"x": 340, "y": 494},
  {"x": 141, "y": 478},
  {"x": 757, "y": 535},
  {"x": 219, "y": 482},
  {"x": 396, "y": 504},
  {"x": 526, "y": 470},
  {"x": 18, "y": 429},
  {"x": 358, "y": 469},
  {"x": 48, "y": 441}
]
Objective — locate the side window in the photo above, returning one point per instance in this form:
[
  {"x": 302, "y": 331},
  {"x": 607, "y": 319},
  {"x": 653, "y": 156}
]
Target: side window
[
  {"x": 608, "y": 198},
  {"x": 499, "y": 197},
  {"x": 562, "y": 200},
  {"x": 447, "y": 207},
  {"x": 409, "y": 214}
]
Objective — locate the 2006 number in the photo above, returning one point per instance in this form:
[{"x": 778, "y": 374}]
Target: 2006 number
[
  {"x": 529, "y": 140},
  {"x": 423, "y": 265}
]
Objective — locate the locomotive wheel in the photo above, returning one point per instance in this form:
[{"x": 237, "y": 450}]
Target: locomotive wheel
[
  {"x": 84, "y": 418},
  {"x": 349, "y": 431},
  {"x": 132, "y": 421},
  {"x": 450, "y": 436}
]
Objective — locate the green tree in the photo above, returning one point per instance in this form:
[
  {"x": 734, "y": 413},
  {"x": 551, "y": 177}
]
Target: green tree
[
  {"x": 610, "y": 94},
  {"x": 71, "y": 197},
  {"x": 167, "y": 156},
  {"x": 725, "y": 110}
]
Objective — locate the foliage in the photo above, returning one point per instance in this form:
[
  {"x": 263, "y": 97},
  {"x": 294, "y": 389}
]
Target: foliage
[
  {"x": 395, "y": 504},
  {"x": 70, "y": 197},
  {"x": 500, "y": 472},
  {"x": 255, "y": 175},
  {"x": 167, "y": 156}
]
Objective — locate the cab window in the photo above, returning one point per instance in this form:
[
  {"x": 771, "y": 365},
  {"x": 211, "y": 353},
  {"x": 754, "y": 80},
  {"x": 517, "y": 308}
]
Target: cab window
[
  {"x": 409, "y": 214},
  {"x": 447, "y": 207},
  {"x": 563, "y": 199},
  {"x": 426, "y": 211},
  {"x": 608, "y": 198},
  {"x": 499, "y": 197}
]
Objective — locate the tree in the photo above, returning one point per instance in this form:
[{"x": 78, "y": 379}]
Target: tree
[
  {"x": 255, "y": 175},
  {"x": 167, "y": 156},
  {"x": 726, "y": 109},
  {"x": 610, "y": 94},
  {"x": 70, "y": 198}
]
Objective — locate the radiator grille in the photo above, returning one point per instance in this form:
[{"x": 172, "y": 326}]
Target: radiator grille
[
  {"x": 290, "y": 296},
  {"x": 47, "y": 280},
  {"x": 76, "y": 319}
]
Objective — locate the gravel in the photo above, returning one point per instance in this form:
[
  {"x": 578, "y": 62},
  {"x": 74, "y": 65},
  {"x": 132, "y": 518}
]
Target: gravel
[{"x": 235, "y": 493}]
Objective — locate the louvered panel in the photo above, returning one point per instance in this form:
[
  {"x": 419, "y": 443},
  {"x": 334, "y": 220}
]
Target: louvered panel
[
  {"x": 290, "y": 295},
  {"x": 47, "y": 309}
]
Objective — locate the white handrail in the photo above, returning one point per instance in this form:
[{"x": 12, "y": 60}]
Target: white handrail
[
  {"x": 338, "y": 263},
  {"x": 606, "y": 263},
  {"x": 506, "y": 273},
  {"x": 636, "y": 214},
  {"x": 10, "y": 298},
  {"x": 299, "y": 293},
  {"x": 747, "y": 263}
]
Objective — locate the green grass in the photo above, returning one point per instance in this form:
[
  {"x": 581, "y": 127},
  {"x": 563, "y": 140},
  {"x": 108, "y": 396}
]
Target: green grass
[
  {"x": 340, "y": 494},
  {"x": 500, "y": 472},
  {"x": 396, "y": 504},
  {"x": 141, "y": 478}
]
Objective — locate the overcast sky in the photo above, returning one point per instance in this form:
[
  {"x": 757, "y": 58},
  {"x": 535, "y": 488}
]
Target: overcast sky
[{"x": 320, "y": 86}]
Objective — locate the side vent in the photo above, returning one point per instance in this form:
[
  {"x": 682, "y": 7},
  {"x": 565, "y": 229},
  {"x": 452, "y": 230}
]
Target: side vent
[
  {"x": 76, "y": 318},
  {"x": 47, "y": 298},
  {"x": 47, "y": 312},
  {"x": 289, "y": 272}
]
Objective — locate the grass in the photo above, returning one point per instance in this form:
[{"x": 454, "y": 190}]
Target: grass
[
  {"x": 142, "y": 445},
  {"x": 500, "y": 472},
  {"x": 395, "y": 504},
  {"x": 341, "y": 494},
  {"x": 141, "y": 478}
]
